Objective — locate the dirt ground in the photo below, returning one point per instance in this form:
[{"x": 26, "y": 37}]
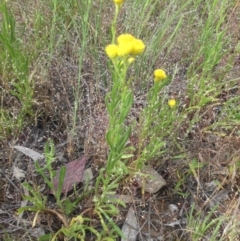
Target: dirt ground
[{"x": 161, "y": 216}]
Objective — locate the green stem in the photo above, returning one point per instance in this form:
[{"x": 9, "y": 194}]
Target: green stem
[{"x": 113, "y": 27}]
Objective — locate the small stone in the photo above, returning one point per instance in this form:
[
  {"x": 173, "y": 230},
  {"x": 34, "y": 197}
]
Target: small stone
[{"x": 150, "y": 180}]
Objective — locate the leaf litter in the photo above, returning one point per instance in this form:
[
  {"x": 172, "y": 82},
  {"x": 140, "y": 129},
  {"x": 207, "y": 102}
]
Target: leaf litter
[
  {"x": 35, "y": 156},
  {"x": 130, "y": 227},
  {"x": 74, "y": 170},
  {"x": 18, "y": 173},
  {"x": 73, "y": 176}
]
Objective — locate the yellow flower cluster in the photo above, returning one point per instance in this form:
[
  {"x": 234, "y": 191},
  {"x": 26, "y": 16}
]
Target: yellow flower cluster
[
  {"x": 131, "y": 60},
  {"x": 126, "y": 45},
  {"x": 159, "y": 75}
]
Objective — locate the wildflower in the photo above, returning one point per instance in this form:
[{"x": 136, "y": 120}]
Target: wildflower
[
  {"x": 125, "y": 38},
  {"x": 159, "y": 75},
  {"x": 111, "y": 50},
  {"x": 118, "y": 2},
  {"x": 125, "y": 49},
  {"x": 138, "y": 47},
  {"x": 126, "y": 45},
  {"x": 172, "y": 103},
  {"x": 130, "y": 60}
]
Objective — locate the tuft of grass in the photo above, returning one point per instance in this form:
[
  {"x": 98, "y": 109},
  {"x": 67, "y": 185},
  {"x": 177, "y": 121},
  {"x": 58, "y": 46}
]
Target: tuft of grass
[
  {"x": 16, "y": 78},
  {"x": 207, "y": 227}
]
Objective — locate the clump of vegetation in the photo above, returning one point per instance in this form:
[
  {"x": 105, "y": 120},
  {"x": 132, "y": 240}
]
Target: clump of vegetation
[{"x": 16, "y": 81}]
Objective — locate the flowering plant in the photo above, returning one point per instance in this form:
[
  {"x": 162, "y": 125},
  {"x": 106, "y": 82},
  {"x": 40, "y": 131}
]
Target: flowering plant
[{"x": 122, "y": 52}]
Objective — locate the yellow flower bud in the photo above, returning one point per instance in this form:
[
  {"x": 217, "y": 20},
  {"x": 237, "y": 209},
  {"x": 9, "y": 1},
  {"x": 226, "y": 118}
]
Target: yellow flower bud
[
  {"x": 172, "y": 103},
  {"x": 118, "y": 2},
  {"x": 159, "y": 75},
  {"x": 130, "y": 60},
  {"x": 111, "y": 50}
]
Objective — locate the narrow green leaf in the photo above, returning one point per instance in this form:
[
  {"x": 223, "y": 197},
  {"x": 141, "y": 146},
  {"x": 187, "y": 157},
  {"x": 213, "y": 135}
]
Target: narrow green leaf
[{"x": 61, "y": 181}]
